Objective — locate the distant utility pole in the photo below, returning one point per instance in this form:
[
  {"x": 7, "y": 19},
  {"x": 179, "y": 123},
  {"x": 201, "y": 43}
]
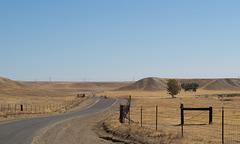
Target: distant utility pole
[
  {"x": 133, "y": 78},
  {"x": 36, "y": 83},
  {"x": 50, "y": 79}
]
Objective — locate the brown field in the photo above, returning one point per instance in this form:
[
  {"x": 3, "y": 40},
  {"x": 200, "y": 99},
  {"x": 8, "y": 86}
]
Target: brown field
[
  {"x": 45, "y": 97},
  {"x": 196, "y": 122},
  {"x": 196, "y": 128},
  {"x": 23, "y": 92},
  {"x": 149, "y": 93}
]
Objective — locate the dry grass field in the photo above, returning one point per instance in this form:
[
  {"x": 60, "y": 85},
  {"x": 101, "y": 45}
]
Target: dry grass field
[
  {"x": 196, "y": 128},
  {"x": 148, "y": 93},
  {"x": 216, "y": 93},
  {"x": 23, "y": 92},
  {"x": 45, "y": 97}
]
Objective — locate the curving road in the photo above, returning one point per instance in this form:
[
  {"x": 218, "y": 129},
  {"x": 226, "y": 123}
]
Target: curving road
[{"x": 23, "y": 131}]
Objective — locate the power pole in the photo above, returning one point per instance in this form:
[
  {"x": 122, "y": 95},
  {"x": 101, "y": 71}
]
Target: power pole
[{"x": 36, "y": 83}]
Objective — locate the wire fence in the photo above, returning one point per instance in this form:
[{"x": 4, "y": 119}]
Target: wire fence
[
  {"x": 225, "y": 126},
  {"x": 17, "y": 109}
]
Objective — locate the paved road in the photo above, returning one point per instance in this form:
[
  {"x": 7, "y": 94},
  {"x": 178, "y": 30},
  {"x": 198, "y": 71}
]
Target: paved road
[{"x": 23, "y": 131}]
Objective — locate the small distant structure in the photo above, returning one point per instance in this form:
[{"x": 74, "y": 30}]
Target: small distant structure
[{"x": 80, "y": 95}]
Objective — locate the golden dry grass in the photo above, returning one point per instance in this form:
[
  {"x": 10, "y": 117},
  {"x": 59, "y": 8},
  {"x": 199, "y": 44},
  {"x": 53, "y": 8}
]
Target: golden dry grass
[
  {"x": 196, "y": 127},
  {"x": 37, "y": 93},
  {"x": 133, "y": 133},
  {"x": 45, "y": 97}
]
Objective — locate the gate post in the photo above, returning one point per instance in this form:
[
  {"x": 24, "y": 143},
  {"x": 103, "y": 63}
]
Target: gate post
[
  {"x": 182, "y": 119},
  {"x": 210, "y": 115},
  {"x": 121, "y": 117},
  {"x": 21, "y": 107},
  {"x": 182, "y": 115}
]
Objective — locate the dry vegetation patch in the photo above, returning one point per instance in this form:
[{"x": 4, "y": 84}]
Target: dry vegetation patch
[
  {"x": 196, "y": 128},
  {"x": 40, "y": 98},
  {"x": 133, "y": 133}
]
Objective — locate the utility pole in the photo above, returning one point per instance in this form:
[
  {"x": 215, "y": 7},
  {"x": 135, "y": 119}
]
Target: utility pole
[{"x": 36, "y": 83}]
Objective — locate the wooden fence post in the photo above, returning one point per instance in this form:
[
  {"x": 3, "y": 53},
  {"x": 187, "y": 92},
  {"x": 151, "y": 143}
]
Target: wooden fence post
[
  {"x": 21, "y": 107},
  {"x": 182, "y": 115},
  {"x": 222, "y": 125},
  {"x": 182, "y": 119},
  {"x": 121, "y": 117},
  {"x": 156, "y": 116},
  {"x": 130, "y": 98},
  {"x": 210, "y": 115},
  {"x": 141, "y": 116}
]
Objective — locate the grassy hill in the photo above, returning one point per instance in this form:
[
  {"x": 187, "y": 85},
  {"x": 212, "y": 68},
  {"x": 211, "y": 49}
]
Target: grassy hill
[{"x": 155, "y": 84}]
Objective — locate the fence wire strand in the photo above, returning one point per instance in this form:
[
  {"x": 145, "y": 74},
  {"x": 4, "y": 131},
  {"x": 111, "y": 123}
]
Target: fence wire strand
[{"x": 196, "y": 124}]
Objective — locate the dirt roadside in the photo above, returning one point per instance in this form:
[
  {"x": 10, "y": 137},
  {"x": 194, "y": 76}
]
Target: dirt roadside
[{"x": 76, "y": 130}]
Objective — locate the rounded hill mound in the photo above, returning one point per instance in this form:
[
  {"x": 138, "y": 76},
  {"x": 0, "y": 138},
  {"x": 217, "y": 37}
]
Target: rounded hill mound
[
  {"x": 155, "y": 84},
  {"x": 7, "y": 83},
  {"x": 146, "y": 84}
]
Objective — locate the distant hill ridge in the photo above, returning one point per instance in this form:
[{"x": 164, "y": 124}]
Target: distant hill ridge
[
  {"x": 7, "y": 83},
  {"x": 155, "y": 84}
]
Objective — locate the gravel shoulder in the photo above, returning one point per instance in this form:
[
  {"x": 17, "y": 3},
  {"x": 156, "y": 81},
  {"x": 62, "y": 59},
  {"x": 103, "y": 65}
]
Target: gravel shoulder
[{"x": 76, "y": 130}]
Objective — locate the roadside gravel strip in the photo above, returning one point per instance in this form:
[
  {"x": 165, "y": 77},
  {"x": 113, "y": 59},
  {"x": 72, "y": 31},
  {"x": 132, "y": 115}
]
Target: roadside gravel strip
[{"x": 58, "y": 128}]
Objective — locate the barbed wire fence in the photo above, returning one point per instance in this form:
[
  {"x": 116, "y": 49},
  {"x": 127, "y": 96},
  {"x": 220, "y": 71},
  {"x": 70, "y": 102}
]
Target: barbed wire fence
[
  {"x": 25, "y": 108},
  {"x": 225, "y": 126}
]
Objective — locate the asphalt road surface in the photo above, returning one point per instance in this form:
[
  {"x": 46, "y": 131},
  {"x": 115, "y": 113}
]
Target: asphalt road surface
[{"x": 23, "y": 131}]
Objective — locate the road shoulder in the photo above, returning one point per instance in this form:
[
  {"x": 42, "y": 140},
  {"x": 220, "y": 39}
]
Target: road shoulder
[{"x": 75, "y": 130}]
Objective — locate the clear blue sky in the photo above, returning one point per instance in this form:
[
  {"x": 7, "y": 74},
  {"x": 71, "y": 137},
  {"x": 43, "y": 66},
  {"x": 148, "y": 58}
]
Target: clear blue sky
[{"x": 116, "y": 40}]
